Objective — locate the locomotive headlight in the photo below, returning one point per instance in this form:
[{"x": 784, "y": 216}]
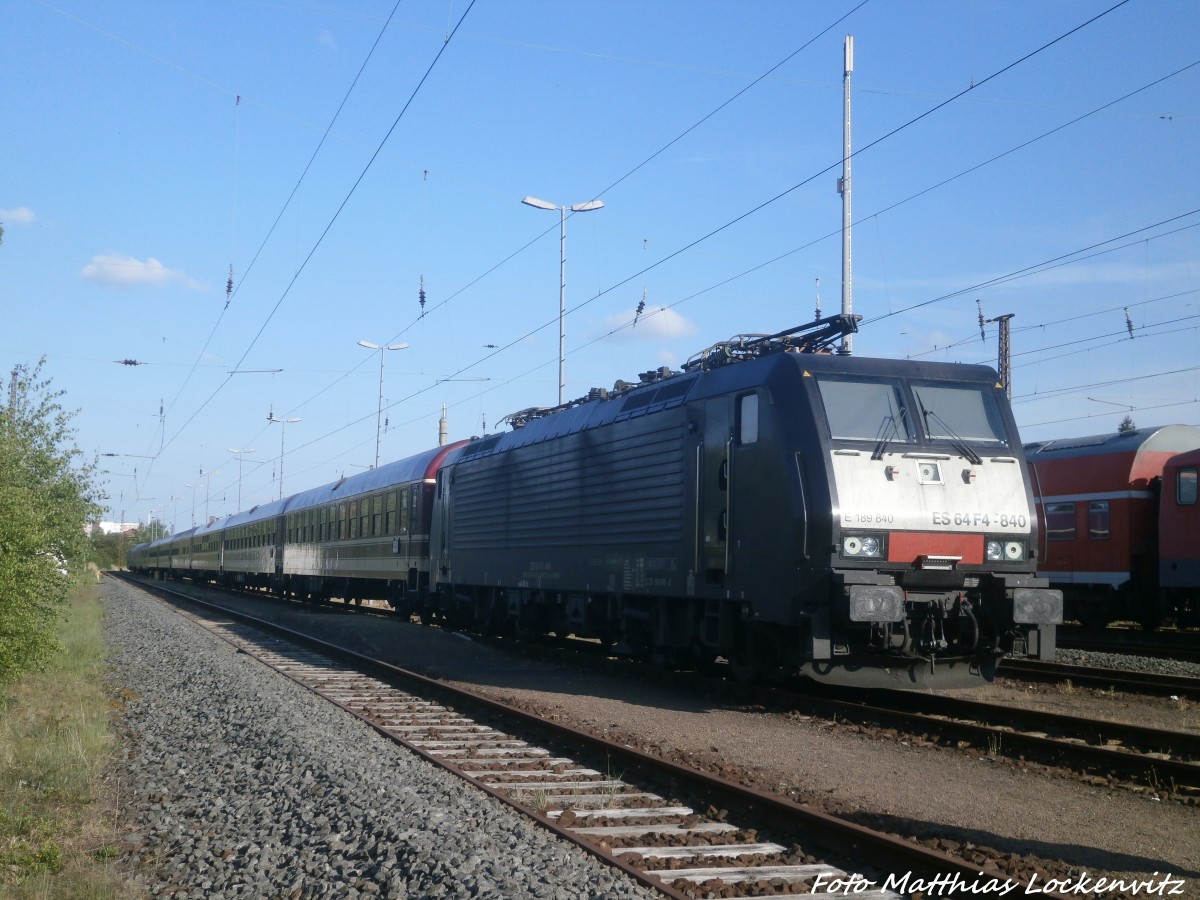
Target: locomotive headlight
[
  {"x": 997, "y": 550},
  {"x": 862, "y": 545}
]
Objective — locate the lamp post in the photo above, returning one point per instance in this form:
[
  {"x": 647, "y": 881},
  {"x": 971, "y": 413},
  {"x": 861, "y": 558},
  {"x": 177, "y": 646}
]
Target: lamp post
[
  {"x": 240, "y": 454},
  {"x": 155, "y": 532},
  {"x": 174, "y": 501},
  {"x": 379, "y": 408},
  {"x": 282, "y": 434},
  {"x": 562, "y": 273},
  {"x": 207, "y": 476},
  {"x": 193, "y": 487}
]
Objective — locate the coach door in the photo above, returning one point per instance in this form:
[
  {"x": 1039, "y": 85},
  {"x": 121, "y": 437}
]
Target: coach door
[
  {"x": 714, "y": 458},
  {"x": 439, "y": 530},
  {"x": 280, "y": 534}
]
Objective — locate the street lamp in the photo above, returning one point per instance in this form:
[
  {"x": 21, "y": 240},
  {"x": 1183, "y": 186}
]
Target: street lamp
[
  {"x": 282, "y": 433},
  {"x": 562, "y": 273},
  {"x": 240, "y": 454},
  {"x": 379, "y": 408},
  {"x": 207, "y": 476}
]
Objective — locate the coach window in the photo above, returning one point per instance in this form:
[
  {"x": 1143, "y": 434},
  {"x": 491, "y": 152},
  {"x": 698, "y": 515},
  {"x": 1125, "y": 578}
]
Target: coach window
[
  {"x": 389, "y": 514},
  {"x": 1060, "y": 521},
  {"x": 353, "y": 523},
  {"x": 748, "y": 419},
  {"x": 404, "y": 511},
  {"x": 1185, "y": 487},
  {"x": 341, "y": 521},
  {"x": 1098, "y": 520},
  {"x": 364, "y": 517}
]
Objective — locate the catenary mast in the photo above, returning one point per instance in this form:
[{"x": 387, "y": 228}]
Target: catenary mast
[{"x": 844, "y": 190}]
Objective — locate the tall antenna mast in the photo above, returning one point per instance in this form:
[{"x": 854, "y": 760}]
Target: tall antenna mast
[{"x": 844, "y": 190}]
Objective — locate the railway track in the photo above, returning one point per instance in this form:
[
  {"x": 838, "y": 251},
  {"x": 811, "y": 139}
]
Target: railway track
[
  {"x": 1184, "y": 686},
  {"x": 1180, "y": 645},
  {"x": 1162, "y": 760},
  {"x": 1102, "y": 751},
  {"x": 684, "y": 832}
]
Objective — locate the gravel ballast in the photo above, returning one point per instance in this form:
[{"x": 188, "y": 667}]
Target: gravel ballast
[{"x": 235, "y": 782}]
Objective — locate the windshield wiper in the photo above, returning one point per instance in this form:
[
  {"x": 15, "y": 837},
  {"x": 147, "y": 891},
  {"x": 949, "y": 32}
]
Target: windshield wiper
[
  {"x": 888, "y": 431},
  {"x": 955, "y": 441}
]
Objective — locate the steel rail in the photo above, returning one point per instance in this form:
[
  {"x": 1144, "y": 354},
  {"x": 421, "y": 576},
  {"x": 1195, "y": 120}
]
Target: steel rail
[
  {"x": 1120, "y": 679},
  {"x": 883, "y": 848}
]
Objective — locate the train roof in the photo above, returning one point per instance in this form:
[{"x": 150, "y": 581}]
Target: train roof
[
  {"x": 664, "y": 389},
  {"x": 166, "y": 539},
  {"x": 1188, "y": 458},
  {"x": 421, "y": 467},
  {"x": 254, "y": 514},
  {"x": 1164, "y": 439}
]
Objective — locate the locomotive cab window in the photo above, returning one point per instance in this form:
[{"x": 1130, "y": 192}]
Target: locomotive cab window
[
  {"x": 748, "y": 419},
  {"x": 865, "y": 410},
  {"x": 959, "y": 412},
  {"x": 1185, "y": 487}
]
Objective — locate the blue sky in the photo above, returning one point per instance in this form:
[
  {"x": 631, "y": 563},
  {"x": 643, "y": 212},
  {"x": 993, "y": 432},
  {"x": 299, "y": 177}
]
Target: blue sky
[{"x": 335, "y": 153}]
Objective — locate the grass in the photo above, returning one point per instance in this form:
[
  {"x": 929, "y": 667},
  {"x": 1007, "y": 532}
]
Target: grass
[{"x": 57, "y": 837}]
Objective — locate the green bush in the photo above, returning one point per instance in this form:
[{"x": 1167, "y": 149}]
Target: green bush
[{"x": 46, "y": 500}]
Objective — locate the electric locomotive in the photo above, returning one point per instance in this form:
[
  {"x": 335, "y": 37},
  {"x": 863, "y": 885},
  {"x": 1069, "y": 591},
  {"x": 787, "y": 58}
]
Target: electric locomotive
[{"x": 773, "y": 504}]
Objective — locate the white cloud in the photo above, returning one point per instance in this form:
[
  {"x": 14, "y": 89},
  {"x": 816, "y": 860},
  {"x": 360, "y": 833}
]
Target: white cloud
[
  {"x": 22, "y": 215},
  {"x": 116, "y": 270},
  {"x": 660, "y": 324}
]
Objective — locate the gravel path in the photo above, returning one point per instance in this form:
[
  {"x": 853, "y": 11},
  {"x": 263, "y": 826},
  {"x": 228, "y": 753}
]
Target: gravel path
[{"x": 237, "y": 783}]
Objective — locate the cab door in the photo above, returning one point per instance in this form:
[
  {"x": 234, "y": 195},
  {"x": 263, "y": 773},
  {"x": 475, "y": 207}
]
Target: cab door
[{"x": 713, "y": 471}]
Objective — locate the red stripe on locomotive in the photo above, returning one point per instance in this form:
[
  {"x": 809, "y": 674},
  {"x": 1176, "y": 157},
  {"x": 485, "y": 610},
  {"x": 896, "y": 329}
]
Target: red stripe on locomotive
[{"x": 908, "y": 546}]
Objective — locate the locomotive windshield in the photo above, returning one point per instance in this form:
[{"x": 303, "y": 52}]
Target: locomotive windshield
[
  {"x": 959, "y": 413},
  {"x": 879, "y": 410},
  {"x": 865, "y": 410}
]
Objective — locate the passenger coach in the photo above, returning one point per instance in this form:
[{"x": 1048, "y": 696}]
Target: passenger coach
[{"x": 1098, "y": 499}]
